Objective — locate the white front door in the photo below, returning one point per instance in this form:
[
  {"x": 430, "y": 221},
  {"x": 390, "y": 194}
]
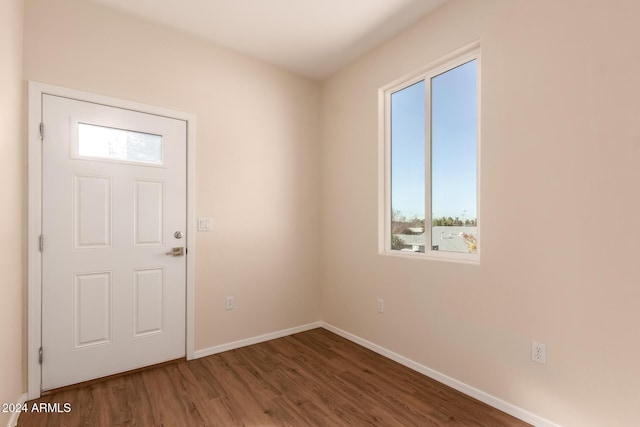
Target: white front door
[{"x": 114, "y": 205}]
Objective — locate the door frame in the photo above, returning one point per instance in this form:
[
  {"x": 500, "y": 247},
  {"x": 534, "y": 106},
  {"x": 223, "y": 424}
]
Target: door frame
[{"x": 34, "y": 256}]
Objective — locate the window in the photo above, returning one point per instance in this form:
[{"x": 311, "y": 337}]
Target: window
[
  {"x": 431, "y": 140},
  {"x": 99, "y": 142}
]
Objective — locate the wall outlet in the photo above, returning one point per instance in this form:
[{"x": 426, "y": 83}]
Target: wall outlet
[
  {"x": 380, "y": 305},
  {"x": 229, "y": 303},
  {"x": 538, "y": 352}
]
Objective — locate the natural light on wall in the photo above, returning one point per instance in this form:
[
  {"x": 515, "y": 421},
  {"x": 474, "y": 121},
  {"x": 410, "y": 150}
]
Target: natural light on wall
[{"x": 431, "y": 161}]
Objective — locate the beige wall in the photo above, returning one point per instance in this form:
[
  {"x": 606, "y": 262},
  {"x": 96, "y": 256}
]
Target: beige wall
[
  {"x": 559, "y": 192},
  {"x": 257, "y": 147},
  {"x": 12, "y": 171},
  {"x": 560, "y": 200}
]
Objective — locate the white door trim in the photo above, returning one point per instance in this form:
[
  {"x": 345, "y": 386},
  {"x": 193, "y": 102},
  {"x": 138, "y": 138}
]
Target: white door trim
[{"x": 34, "y": 258}]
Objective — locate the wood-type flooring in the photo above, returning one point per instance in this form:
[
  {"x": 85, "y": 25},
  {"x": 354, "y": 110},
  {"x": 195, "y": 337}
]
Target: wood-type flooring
[{"x": 314, "y": 378}]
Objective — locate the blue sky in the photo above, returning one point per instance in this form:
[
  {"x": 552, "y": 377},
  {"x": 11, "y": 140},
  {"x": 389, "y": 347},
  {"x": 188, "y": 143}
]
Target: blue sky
[{"x": 453, "y": 154}]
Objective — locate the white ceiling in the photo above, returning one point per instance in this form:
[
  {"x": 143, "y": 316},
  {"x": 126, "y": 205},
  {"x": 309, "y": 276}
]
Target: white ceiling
[{"x": 310, "y": 37}]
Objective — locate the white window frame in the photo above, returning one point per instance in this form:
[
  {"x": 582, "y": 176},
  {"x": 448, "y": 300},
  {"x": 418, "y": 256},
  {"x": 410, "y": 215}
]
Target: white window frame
[{"x": 459, "y": 57}]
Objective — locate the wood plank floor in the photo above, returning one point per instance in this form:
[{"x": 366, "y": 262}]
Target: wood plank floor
[{"x": 314, "y": 378}]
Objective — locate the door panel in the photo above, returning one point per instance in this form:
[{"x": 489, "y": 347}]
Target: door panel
[
  {"x": 148, "y": 214},
  {"x": 92, "y": 309},
  {"x": 92, "y": 212},
  {"x": 148, "y": 304},
  {"x": 114, "y": 194}
]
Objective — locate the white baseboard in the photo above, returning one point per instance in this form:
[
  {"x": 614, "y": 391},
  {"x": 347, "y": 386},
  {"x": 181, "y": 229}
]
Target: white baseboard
[
  {"x": 255, "y": 340},
  {"x": 451, "y": 382},
  {"x": 13, "y": 420},
  {"x": 440, "y": 377}
]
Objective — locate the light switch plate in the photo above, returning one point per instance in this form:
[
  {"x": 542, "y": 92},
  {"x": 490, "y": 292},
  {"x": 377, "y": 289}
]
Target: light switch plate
[{"x": 204, "y": 224}]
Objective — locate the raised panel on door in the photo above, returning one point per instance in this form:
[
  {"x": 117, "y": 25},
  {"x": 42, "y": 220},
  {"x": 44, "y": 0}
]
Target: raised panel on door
[
  {"x": 92, "y": 211},
  {"x": 148, "y": 214},
  {"x": 148, "y": 306},
  {"x": 92, "y": 308}
]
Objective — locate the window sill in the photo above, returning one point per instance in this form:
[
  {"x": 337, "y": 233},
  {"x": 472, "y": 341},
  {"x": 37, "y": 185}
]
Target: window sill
[{"x": 461, "y": 258}]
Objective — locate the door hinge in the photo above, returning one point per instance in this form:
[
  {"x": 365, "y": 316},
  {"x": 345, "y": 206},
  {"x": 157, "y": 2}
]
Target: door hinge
[
  {"x": 40, "y": 356},
  {"x": 41, "y": 131},
  {"x": 41, "y": 243}
]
